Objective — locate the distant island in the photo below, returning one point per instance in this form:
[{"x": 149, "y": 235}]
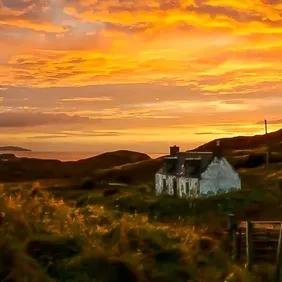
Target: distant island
[{"x": 13, "y": 149}]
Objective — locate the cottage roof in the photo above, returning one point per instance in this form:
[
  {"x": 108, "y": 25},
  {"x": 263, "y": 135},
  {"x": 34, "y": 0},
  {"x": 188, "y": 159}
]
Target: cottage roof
[{"x": 188, "y": 164}]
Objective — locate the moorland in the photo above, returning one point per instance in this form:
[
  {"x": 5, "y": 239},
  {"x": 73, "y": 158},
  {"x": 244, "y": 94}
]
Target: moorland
[{"x": 99, "y": 219}]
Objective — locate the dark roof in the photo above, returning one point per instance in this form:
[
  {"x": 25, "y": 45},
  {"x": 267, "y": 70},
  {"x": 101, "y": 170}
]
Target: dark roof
[{"x": 188, "y": 164}]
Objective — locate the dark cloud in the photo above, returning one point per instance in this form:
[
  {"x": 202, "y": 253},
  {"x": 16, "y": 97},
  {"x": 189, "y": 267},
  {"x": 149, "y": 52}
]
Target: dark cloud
[
  {"x": 120, "y": 94},
  {"x": 19, "y": 4},
  {"x": 27, "y": 119},
  {"x": 26, "y": 62},
  {"x": 272, "y": 2},
  {"x": 80, "y": 134},
  {"x": 76, "y": 61},
  {"x": 47, "y": 99},
  {"x": 140, "y": 27},
  {"x": 132, "y": 6},
  {"x": 30, "y": 9},
  {"x": 227, "y": 11},
  {"x": 37, "y": 15}
]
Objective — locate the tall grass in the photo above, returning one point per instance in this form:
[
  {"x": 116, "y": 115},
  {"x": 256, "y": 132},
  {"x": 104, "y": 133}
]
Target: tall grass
[{"x": 45, "y": 239}]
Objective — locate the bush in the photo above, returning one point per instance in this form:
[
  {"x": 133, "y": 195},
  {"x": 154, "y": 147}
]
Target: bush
[
  {"x": 255, "y": 160},
  {"x": 50, "y": 251},
  {"x": 88, "y": 184},
  {"x": 99, "y": 267},
  {"x": 111, "y": 192},
  {"x": 124, "y": 179}
]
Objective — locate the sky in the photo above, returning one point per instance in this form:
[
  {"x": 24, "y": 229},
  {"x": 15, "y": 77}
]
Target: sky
[{"x": 98, "y": 75}]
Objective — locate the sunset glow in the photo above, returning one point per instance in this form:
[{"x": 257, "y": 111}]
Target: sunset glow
[{"x": 94, "y": 75}]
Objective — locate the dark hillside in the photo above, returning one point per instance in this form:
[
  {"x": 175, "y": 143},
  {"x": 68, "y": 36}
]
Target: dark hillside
[
  {"x": 273, "y": 139},
  {"x": 108, "y": 160},
  {"x": 139, "y": 172},
  {"x": 24, "y": 169},
  {"x": 249, "y": 151}
]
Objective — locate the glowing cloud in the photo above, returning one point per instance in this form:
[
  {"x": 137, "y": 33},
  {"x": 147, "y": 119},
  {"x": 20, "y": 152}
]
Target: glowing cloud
[{"x": 140, "y": 66}]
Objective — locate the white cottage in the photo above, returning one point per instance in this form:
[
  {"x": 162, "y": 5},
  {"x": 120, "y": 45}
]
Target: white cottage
[{"x": 196, "y": 174}]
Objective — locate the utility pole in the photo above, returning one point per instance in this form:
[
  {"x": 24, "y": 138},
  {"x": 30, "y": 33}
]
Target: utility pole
[{"x": 267, "y": 145}]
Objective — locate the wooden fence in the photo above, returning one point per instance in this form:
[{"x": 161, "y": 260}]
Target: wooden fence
[{"x": 255, "y": 242}]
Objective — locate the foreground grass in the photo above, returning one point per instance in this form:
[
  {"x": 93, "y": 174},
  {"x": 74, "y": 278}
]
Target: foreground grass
[
  {"x": 44, "y": 239},
  {"x": 64, "y": 233}
]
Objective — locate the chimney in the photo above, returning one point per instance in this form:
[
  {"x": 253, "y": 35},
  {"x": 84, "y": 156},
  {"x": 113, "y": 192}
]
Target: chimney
[
  {"x": 174, "y": 150},
  {"x": 218, "y": 151}
]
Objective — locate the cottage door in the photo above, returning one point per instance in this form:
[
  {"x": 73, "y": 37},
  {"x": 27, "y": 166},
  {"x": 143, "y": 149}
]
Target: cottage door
[
  {"x": 187, "y": 188},
  {"x": 164, "y": 186},
  {"x": 175, "y": 187}
]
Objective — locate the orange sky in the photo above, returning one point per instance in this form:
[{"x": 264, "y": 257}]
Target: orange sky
[{"x": 90, "y": 75}]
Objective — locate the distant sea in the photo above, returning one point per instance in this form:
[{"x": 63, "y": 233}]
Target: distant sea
[{"x": 65, "y": 156}]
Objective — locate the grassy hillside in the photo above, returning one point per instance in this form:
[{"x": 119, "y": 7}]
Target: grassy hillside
[
  {"x": 140, "y": 172},
  {"x": 134, "y": 167},
  {"x": 57, "y": 231},
  {"x": 106, "y": 161},
  {"x": 273, "y": 139},
  {"x": 249, "y": 151},
  {"x": 24, "y": 169},
  {"x": 60, "y": 232},
  {"x": 45, "y": 239}
]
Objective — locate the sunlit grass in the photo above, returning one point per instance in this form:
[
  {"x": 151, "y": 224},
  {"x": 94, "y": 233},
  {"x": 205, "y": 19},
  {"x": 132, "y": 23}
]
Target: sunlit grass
[
  {"x": 28, "y": 220},
  {"x": 45, "y": 236}
]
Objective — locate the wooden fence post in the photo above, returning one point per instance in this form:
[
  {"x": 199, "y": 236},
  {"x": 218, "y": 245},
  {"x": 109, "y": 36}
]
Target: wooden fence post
[
  {"x": 239, "y": 244},
  {"x": 236, "y": 244},
  {"x": 230, "y": 227},
  {"x": 231, "y": 223},
  {"x": 277, "y": 276},
  {"x": 249, "y": 245}
]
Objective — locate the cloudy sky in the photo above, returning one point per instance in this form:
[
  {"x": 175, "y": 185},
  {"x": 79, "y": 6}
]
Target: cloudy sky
[{"x": 90, "y": 75}]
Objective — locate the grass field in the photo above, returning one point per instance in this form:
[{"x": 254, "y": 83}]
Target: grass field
[{"x": 66, "y": 233}]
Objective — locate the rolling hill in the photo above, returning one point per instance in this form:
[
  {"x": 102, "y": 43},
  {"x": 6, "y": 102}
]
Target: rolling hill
[
  {"x": 249, "y": 151},
  {"x": 136, "y": 173},
  {"x": 273, "y": 139},
  {"x": 134, "y": 167},
  {"x": 24, "y": 169},
  {"x": 242, "y": 152}
]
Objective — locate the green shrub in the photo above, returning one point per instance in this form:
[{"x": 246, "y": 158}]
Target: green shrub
[
  {"x": 51, "y": 251},
  {"x": 43, "y": 238},
  {"x": 126, "y": 179},
  {"x": 100, "y": 267},
  {"x": 16, "y": 265},
  {"x": 88, "y": 184}
]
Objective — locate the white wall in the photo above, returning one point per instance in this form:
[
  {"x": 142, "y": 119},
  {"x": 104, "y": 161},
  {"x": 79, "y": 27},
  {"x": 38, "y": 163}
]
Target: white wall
[
  {"x": 159, "y": 183},
  {"x": 219, "y": 177},
  {"x": 193, "y": 187},
  {"x": 169, "y": 183},
  {"x": 181, "y": 185}
]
